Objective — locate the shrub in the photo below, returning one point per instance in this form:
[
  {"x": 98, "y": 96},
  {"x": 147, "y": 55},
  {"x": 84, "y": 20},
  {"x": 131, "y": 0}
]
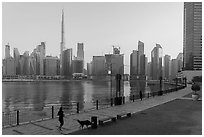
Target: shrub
[
  {"x": 195, "y": 87},
  {"x": 197, "y": 79}
]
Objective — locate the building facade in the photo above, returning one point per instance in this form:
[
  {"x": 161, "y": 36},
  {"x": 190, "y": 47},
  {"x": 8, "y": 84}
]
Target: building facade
[
  {"x": 179, "y": 59},
  {"x": 98, "y": 66},
  {"x": 167, "y": 60},
  {"x": 80, "y": 51},
  {"x": 156, "y": 62},
  {"x": 51, "y": 66},
  {"x": 9, "y": 66},
  {"x": 67, "y": 63},
  {"x": 173, "y": 69},
  {"x": 134, "y": 63},
  {"x": 114, "y": 64},
  {"x": 192, "y": 36},
  {"x": 77, "y": 66},
  {"x": 7, "y": 51},
  {"x": 140, "y": 53}
]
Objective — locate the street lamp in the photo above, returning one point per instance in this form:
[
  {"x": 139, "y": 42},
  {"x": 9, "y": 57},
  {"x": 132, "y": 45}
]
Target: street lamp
[{"x": 110, "y": 73}]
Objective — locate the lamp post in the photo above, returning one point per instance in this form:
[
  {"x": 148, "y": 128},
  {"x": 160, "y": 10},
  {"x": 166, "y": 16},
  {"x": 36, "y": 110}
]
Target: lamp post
[{"x": 110, "y": 72}]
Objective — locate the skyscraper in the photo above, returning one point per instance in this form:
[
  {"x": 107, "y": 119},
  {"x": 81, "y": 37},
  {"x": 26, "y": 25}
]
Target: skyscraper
[
  {"x": 16, "y": 56},
  {"x": 140, "y": 52},
  {"x": 156, "y": 65},
  {"x": 7, "y": 51},
  {"x": 62, "y": 43},
  {"x": 134, "y": 63},
  {"x": 114, "y": 64},
  {"x": 173, "y": 69},
  {"x": 77, "y": 66},
  {"x": 80, "y": 51},
  {"x": 179, "y": 59},
  {"x": 50, "y": 65},
  {"x": 9, "y": 65},
  {"x": 98, "y": 66},
  {"x": 192, "y": 36},
  {"x": 142, "y": 65},
  {"x": 167, "y": 59},
  {"x": 41, "y": 55},
  {"x": 66, "y": 63}
]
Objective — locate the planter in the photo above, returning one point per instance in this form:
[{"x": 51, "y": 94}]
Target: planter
[{"x": 195, "y": 96}]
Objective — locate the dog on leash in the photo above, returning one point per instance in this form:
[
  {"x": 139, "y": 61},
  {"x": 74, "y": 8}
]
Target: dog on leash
[{"x": 85, "y": 122}]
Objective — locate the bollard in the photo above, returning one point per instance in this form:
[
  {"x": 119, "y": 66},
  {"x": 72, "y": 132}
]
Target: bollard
[
  {"x": 94, "y": 122},
  {"x": 111, "y": 102},
  {"x": 123, "y": 99},
  {"x": 17, "y": 117},
  {"x": 96, "y": 104},
  {"x": 133, "y": 98},
  {"x": 77, "y": 107},
  {"x": 52, "y": 112}
]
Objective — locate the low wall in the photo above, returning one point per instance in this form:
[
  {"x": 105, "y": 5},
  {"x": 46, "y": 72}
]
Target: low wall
[{"x": 190, "y": 74}]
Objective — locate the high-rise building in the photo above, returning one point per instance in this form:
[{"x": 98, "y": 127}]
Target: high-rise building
[
  {"x": 114, "y": 64},
  {"x": 173, "y": 69},
  {"x": 21, "y": 62},
  {"x": 80, "y": 51},
  {"x": 16, "y": 56},
  {"x": 62, "y": 44},
  {"x": 180, "y": 61},
  {"x": 40, "y": 55},
  {"x": 32, "y": 65},
  {"x": 98, "y": 66},
  {"x": 134, "y": 63},
  {"x": 140, "y": 52},
  {"x": 146, "y": 62},
  {"x": 77, "y": 66},
  {"x": 7, "y": 51},
  {"x": 156, "y": 62},
  {"x": 192, "y": 36},
  {"x": 167, "y": 60},
  {"x": 26, "y": 63},
  {"x": 50, "y": 66},
  {"x": 67, "y": 63},
  {"x": 89, "y": 69},
  {"x": 142, "y": 65},
  {"x": 149, "y": 71},
  {"x": 9, "y": 65}
]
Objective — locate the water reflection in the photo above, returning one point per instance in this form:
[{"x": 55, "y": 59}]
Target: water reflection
[
  {"x": 136, "y": 86},
  {"x": 39, "y": 95},
  {"x": 36, "y": 95}
]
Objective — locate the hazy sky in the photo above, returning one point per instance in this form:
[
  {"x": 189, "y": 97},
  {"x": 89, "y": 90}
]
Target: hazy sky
[{"x": 97, "y": 25}]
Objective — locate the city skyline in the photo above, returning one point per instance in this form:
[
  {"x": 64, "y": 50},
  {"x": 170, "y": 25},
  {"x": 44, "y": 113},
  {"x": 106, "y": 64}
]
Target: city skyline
[{"x": 98, "y": 25}]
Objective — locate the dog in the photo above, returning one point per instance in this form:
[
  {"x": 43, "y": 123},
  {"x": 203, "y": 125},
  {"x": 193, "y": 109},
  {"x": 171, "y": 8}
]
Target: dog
[{"x": 85, "y": 122}]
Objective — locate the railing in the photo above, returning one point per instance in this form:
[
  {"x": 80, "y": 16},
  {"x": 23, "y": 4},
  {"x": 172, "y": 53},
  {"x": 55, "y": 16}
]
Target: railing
[{"x": 29, "y": 115}]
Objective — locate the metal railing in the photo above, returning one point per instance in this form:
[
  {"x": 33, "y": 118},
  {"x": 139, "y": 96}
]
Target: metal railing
[{"x": 29, "y": 115}]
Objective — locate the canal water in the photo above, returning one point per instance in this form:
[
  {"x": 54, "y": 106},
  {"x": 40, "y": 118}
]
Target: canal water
[{"x": 37, "y": 95}]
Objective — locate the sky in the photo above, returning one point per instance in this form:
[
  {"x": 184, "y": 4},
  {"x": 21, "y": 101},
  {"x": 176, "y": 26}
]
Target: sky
[{"x": 98, "y": 25}]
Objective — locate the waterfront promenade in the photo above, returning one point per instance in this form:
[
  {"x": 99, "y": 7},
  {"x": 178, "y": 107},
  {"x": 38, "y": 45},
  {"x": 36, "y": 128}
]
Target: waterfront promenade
[{"x": 49, "y": 127}]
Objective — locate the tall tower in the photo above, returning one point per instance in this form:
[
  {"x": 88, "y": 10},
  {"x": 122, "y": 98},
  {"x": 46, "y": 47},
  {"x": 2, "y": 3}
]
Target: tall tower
[
  {"x": 80, "y": 51},
  {"x": 192, "y": 36},
  {"x": 62, "y": 43},
  {"x": 7, "y": 51},
  {"x": 156, "y": 62},
  {"x": 140, "y": 53}
]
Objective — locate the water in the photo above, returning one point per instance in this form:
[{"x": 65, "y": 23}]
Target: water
[{"x": 37, "y": 95}]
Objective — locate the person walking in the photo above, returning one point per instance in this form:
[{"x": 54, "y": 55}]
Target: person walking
[
  {"x": 61, "y": 117},
  {"x": 140, "y": 95}
]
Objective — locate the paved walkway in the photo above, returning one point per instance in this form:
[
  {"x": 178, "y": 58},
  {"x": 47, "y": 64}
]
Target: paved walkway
[{"x": 49, "y": 127}]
